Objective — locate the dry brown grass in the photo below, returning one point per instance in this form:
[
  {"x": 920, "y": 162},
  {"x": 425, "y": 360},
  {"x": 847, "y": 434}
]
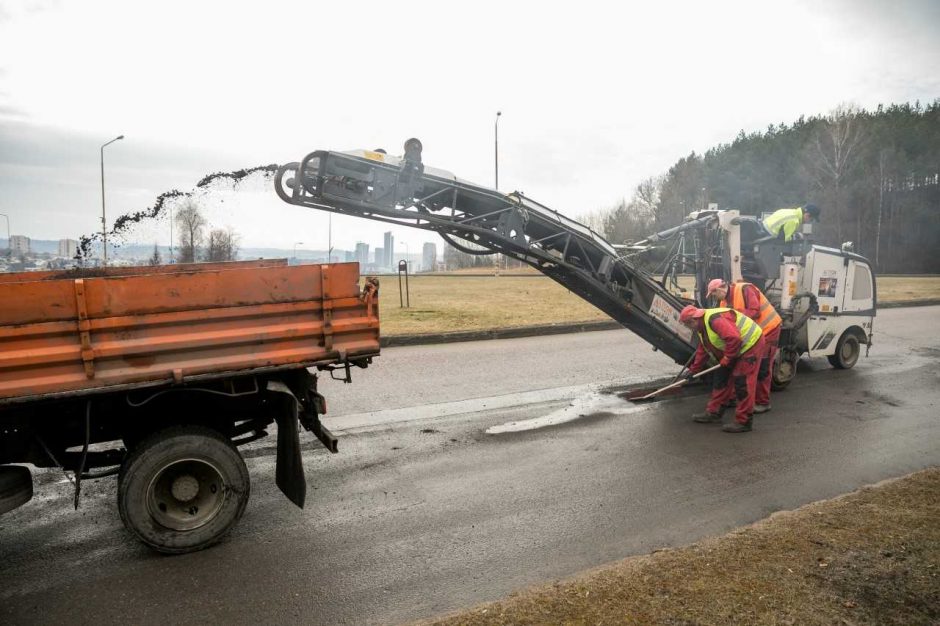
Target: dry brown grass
[
  {"x": 907, "y": 288},
  {"x": 449, "y": 303},
  {"x": 871, "y": 557},
  {"x": 441, "y": 303}
]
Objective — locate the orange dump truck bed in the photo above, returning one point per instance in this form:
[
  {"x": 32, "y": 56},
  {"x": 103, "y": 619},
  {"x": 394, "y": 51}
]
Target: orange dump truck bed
[{"x": 64, "y": 334}]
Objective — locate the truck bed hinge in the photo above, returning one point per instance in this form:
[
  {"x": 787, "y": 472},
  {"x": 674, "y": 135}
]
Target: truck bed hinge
[{"x": 84, "y": 329}]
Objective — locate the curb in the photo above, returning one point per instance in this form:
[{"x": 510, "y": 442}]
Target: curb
[
  {"x": 911, "y": 303},
  {"x": 497, "y": 333},
  {"x": 392, "y": 341}
]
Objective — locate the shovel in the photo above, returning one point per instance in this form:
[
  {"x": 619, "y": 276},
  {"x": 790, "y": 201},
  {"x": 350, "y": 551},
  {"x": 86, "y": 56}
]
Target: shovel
[{"x": 676, "y": 384}]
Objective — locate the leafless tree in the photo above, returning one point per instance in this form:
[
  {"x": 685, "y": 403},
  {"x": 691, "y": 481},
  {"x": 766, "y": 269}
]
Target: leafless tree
[
  {"x": 596, "y": 220},
  {"x": 223, "y": 245},
  {"x": 836, "y": 144},
  {"x": 191, "y": 226},
  {"x": 647, "y": 194}
]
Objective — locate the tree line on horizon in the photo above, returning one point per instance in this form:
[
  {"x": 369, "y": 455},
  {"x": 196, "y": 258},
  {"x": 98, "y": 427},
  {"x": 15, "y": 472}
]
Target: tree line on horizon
[{"x": 874, "y": 174}]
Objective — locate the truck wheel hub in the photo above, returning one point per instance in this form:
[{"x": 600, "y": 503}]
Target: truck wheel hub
[
  {"x": 186, "y": 494},
  {"x": 185, "y": 488}
]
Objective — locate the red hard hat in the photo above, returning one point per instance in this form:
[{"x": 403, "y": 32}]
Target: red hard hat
[
  {"x": 714, "y": 284},
  {"x": 690, "y": 312}
]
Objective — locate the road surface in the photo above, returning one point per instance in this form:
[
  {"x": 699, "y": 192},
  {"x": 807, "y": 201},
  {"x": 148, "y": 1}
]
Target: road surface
[{"x": 423, "y": 512}]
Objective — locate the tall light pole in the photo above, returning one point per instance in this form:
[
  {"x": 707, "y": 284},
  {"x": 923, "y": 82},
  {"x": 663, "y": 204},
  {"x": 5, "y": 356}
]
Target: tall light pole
[
  {"x": 9, "y": 243},
  {"x": 496, "y": 146},
  {"x": 496, "y": 163},
  {"x": 104, "y": 222}
]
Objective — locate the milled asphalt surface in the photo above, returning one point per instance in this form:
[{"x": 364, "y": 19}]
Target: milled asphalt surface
[{"x": 415, "y": 518}]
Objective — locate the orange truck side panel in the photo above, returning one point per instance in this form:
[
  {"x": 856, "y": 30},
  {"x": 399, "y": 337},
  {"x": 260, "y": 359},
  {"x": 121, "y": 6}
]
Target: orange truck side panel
[{"x": 72, "y": 335}]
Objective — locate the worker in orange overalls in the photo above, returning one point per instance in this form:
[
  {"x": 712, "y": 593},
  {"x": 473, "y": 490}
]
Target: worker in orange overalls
[
  {"x": 748, "y": 299},
  {"x": 735, "y": 341}
]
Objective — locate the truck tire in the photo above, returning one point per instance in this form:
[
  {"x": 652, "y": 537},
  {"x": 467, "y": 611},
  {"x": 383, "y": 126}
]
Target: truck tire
[
  {"x": 16, "y": 487},
  {"x": 847, "y": 350},
  {"x": 182, "y": 489}
]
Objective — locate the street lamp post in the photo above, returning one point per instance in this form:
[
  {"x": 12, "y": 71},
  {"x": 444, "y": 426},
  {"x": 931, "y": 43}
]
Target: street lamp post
[
  {"x": 9, "y": 243},
  {"x": 496, "y": 146},
  {"x": 496, "y": 165},
  {"x": 104, "y": 222}
]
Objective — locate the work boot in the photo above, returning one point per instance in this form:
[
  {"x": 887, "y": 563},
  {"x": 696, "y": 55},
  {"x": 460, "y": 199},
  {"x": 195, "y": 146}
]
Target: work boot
[
  {"x": 737, "y": 427},
  {"x": 706, "y": 418},
  {"x": 761, "y": 408}
]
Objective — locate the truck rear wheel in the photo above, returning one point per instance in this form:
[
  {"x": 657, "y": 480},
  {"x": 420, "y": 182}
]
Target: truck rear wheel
[
  {"x": 16, "y": 487},
  {"x": 847, "y": 351},
  {"x": 183, "y": 489}
]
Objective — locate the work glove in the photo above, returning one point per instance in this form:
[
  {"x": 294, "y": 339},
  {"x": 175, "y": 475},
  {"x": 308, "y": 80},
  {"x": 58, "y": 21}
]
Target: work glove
[
  {"x": 689, "y": 376},
  {"x": 726, "y": 361}
]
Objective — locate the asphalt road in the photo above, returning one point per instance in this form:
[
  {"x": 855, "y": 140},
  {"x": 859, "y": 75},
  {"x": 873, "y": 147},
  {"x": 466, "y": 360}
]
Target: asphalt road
[{"x": 422, "y": 512}]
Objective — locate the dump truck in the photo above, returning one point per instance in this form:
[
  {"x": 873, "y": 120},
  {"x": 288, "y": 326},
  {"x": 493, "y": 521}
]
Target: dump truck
[
  {"x": 159, "y": 374},
  {"x": 826, "y": 296}
]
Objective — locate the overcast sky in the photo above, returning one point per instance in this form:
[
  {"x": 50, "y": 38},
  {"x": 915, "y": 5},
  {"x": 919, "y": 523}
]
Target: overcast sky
[{"x": 595, "y": 96}]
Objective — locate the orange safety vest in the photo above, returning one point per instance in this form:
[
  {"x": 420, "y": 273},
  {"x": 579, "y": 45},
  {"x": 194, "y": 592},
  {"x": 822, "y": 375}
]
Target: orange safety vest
[{"x": 767, "y": 317}]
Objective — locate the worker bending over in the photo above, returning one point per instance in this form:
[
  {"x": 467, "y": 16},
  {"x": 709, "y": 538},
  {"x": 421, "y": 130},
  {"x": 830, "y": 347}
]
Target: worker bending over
[
  {"x": 735, "y": 341},
  {"x": 748, "y": 299},
  {"x": 784, "y": 223}
]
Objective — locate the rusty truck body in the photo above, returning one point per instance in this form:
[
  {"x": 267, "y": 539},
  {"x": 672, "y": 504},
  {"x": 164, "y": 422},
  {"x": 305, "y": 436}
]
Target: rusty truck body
[{"x": 158, "y": 374}]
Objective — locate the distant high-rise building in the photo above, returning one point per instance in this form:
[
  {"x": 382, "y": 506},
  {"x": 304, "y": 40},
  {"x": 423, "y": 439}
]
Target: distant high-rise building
[
  {"x": 362, "y": 253},
  {"x": 380, "y": 257},
  {"x": 389, "y": 257},
  {"x": 429, "y": 256},
  {"x": 19, "y": 244},
  {"x": 68, "y": 248},
  {"x": 350, "y": 256}
]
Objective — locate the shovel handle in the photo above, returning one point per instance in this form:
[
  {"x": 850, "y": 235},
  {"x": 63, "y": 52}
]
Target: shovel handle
[{"x": 679, "y": 383}]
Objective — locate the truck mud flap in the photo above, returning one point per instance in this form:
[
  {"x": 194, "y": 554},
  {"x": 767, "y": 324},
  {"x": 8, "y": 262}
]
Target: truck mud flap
[{"x": 289, "y": 474}]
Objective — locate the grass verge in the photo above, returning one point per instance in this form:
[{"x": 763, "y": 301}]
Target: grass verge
[
  {"x": 870, "y": 557},
  {"x": 442, "y": 303}
]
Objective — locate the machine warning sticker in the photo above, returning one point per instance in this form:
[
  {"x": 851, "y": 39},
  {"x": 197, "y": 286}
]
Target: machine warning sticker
[
  {"x": 665, "y": 313},
  {"x": 827, "y": 287}
]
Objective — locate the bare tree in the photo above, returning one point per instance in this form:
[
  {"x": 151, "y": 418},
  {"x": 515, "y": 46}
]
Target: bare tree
[
  {"x": 836, "y": 144},
  {"x": 647, "y": 194},
  {"x": 191, "y": 225},
  {"x": 155, "y": 258},
  {"x": 596, "y": 220},
  {"x": 223, "y": 245}
]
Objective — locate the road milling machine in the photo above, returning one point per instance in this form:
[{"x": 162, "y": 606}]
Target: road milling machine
[{"x": 826, "y": 296}]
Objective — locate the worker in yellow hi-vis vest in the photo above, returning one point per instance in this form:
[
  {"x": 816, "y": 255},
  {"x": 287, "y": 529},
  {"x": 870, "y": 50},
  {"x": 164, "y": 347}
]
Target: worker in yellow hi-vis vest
[
  {"x": 785, "y": 223},
  {"x": 735, "y": 341}
]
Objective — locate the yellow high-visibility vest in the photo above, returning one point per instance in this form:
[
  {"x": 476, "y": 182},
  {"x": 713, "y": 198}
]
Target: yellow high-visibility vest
[
  {"x": 789, "y": 220},
  {"x": 750, "y": 331}
]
